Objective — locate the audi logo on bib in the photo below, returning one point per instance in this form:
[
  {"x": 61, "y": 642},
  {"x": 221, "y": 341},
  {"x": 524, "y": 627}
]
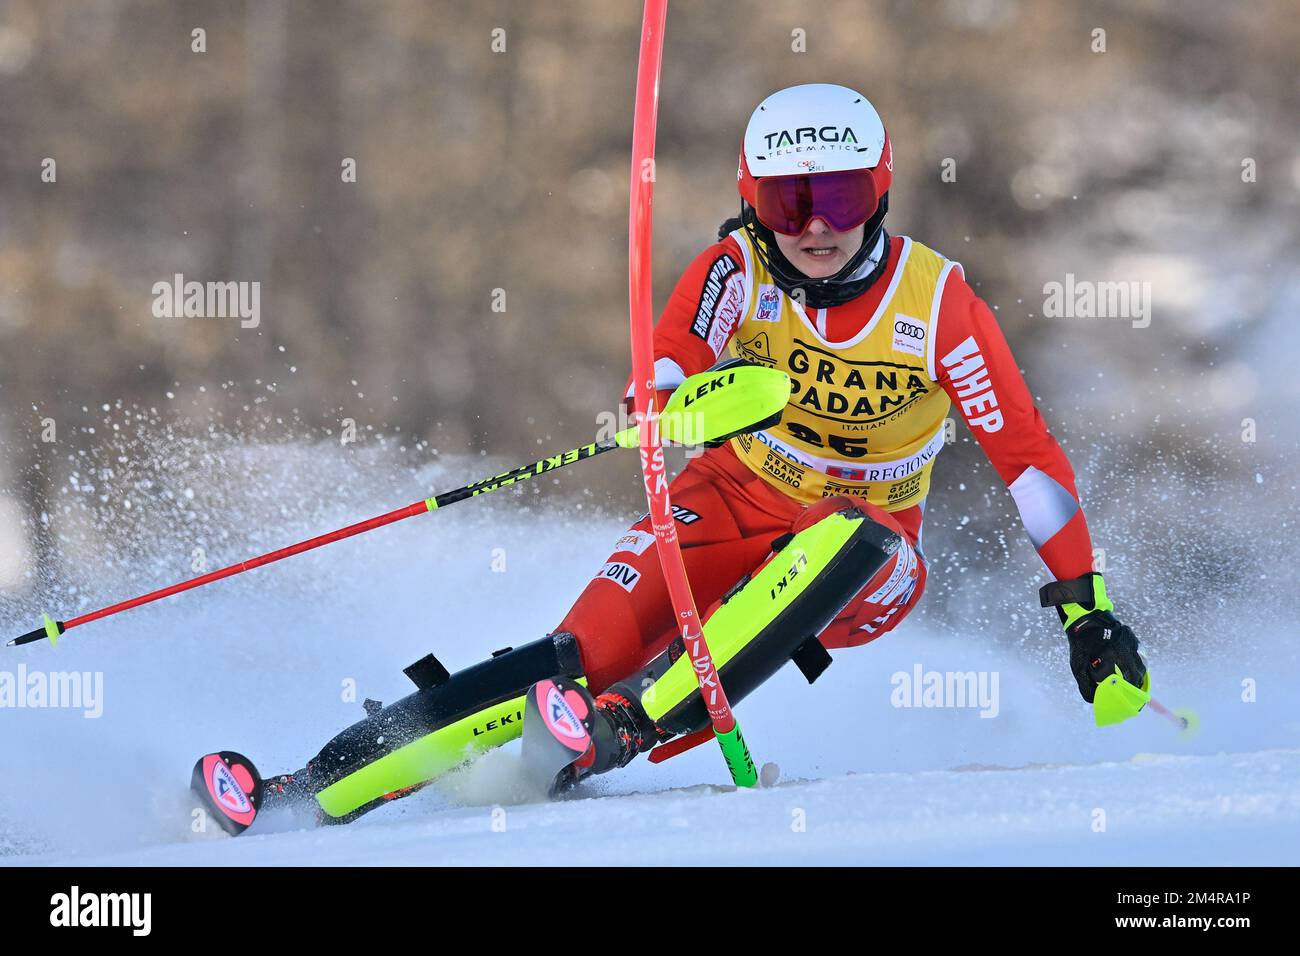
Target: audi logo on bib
[{"x": 909, "y": 335}]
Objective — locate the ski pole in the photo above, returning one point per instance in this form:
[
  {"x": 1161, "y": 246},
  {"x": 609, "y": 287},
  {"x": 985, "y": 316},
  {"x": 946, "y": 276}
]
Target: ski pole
[
  {"x": 640, "y": 228},
  {"x": 1184, "y": 719},
  {"x": 1116, "y": 700},
  {"x": 708, "y": 407}
]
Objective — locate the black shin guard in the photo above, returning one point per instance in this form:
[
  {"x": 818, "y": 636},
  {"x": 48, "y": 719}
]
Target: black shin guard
[
  {"x": 441, "y": 699},
  {"x": 774, "y": 616}
]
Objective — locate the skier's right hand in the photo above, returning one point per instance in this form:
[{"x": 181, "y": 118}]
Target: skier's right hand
[
  {"x": 1099, "y": 643},
  {"x": 661, "y": 399}
]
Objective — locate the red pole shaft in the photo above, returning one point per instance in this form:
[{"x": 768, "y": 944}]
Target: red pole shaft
[
  {"x": 420, "y": 507},
  {"x": 640, "y": 274},
  {"x": 1165, "y": 712}
]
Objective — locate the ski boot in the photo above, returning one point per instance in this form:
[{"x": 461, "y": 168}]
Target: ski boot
[
  {"x": 569, "y": 735},
  {"x": 287, "y": 789}
]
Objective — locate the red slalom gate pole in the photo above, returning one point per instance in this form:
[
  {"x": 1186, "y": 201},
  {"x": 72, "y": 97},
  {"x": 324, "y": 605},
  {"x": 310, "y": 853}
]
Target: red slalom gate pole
[{"x": 640, "y": 274}]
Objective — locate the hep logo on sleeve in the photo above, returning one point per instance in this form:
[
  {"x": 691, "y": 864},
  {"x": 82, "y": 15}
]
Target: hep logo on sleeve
[{"x": 970, "y": 380}]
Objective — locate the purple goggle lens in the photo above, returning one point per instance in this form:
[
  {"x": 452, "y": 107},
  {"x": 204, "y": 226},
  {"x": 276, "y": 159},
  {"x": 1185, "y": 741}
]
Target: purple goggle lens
[{"x": 844, "y": 199}]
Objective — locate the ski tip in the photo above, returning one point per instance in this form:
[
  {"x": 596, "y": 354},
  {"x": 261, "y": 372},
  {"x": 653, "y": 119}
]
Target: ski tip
[
  {"x": 229, "y": 789},
  {"x": 557, "y": 734}
]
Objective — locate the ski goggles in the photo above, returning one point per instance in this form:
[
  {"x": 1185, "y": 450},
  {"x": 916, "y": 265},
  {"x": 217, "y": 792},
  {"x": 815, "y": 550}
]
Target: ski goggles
[{"x": 844, "y": 199}]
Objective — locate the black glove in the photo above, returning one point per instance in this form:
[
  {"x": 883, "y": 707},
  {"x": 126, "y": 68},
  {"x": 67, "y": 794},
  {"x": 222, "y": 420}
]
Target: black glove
[
  {"x": 1098, "y": 644},
  {"x": 1098, "y": 641}
]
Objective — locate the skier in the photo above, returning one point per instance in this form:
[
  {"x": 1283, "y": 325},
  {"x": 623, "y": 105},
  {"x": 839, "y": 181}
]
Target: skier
[
  {"x": 881, "y": 337},
  {"x": 801, "y": 537}
]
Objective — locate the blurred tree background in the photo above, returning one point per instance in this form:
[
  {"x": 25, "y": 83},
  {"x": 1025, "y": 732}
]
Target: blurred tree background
[{"x": 1132, "y": 140}]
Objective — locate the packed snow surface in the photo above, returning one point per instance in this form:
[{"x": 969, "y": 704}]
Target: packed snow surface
[{"x": 274, "y": 662}]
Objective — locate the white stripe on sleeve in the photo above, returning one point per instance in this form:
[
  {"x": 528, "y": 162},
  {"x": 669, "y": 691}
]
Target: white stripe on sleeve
[{"x": 1045, "y": 505}]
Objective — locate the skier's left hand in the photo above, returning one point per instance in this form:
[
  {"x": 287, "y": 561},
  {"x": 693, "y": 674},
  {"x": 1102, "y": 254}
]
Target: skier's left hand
[
  {"x": 1098, "y": 644},
  {"x": 1098, "y": 641}
]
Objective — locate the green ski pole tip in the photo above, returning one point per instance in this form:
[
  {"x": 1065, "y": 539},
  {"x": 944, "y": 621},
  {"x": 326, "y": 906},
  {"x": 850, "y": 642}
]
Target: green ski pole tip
[
  {"x": 1188, "y": 722},
  {"x": 51, "y": 630}
]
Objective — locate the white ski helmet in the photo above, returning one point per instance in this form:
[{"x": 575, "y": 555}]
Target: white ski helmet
[
  {"x": 814, "y": 128},
  {"x": 816, "y": 151}
]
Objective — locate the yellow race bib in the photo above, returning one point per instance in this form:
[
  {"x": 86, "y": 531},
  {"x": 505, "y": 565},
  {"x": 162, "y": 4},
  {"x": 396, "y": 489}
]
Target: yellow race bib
[{"x": 865, "y": 416}]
